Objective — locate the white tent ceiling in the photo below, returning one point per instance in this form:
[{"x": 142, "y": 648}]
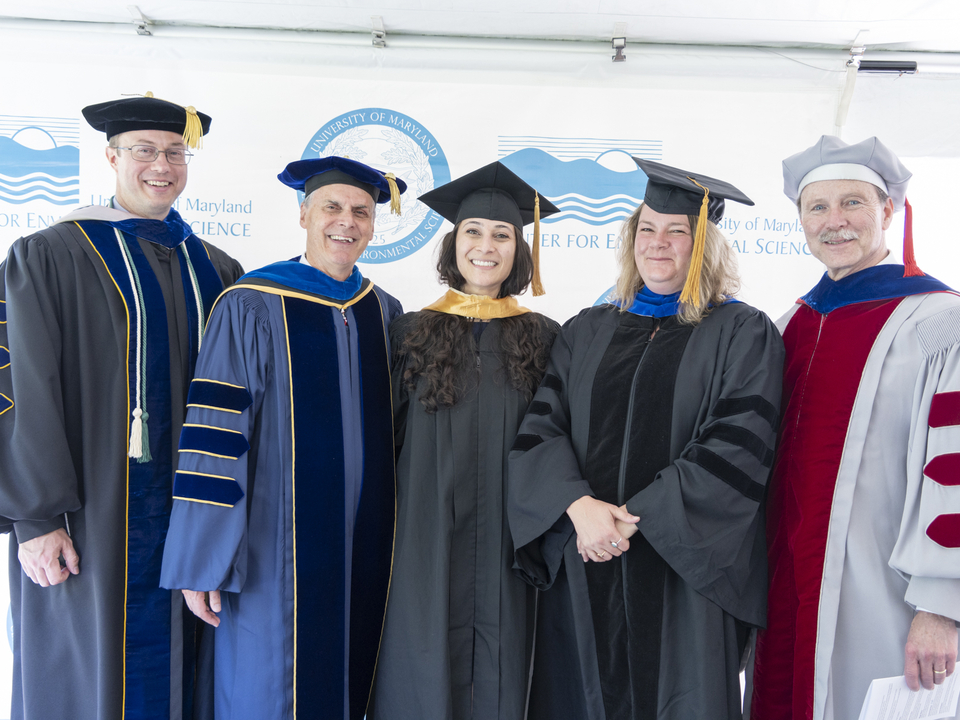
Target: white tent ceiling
[{"x": 902, "y": 25}]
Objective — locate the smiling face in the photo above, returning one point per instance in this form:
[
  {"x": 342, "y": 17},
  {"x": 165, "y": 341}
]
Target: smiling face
[
  {"x": 485, "y": 252},
  {"x": 339, "y": 223},
  {"x": 662, "y": 250},
  {"x": 147, "y": 189},
  {"x": 844, "y": 222}
]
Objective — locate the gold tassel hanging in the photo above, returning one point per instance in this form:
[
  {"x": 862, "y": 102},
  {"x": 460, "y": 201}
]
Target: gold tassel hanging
[
  {"x": 394, "y": 193},
  {"x": 536, "y": 282},
  {"x": 691, "y": 288},
  {"x": 193, "y": 130}
]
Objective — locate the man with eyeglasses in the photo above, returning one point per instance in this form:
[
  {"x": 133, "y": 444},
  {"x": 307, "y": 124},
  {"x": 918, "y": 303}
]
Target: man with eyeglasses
[{"x": 101, "y": 318}]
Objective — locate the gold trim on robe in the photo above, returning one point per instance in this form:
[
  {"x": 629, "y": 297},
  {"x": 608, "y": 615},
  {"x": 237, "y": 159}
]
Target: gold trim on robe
[{"x": 477, "y": 307}]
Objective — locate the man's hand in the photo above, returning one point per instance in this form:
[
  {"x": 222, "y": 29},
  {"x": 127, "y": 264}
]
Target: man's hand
[
  {"x": 931, "y": 652},
  {"x": 40, "y": 558},
  {"x": 204, "y": 605},
  {"x": 595, "y": 523}
]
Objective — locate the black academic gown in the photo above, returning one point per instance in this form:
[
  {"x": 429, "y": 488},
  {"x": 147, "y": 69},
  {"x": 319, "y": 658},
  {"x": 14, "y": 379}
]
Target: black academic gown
[
  {"x": 681, "y": 428},
  {"x": 63, "y": 464},
  {"x": 458, "y": 635}
]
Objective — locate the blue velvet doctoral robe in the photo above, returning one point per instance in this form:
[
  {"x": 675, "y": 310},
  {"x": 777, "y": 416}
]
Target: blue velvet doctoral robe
[
  {"x": 285, "y": 495},
  {"x": 100, "y": 315}
]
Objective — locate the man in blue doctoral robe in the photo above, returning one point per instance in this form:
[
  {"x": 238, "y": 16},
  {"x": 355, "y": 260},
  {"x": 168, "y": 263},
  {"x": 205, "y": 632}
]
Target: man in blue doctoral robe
[
  {"x": 283, "y": 520},
  {"x": 101, "y": 316}
]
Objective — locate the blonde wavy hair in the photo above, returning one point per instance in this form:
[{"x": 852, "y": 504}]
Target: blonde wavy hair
[{"x": 719, "y": 277}]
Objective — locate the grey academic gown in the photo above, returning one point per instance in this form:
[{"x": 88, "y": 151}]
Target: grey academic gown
[
  {"x": 458, "y": 636},
  {"x": 679, "y": 424},
  {"x": 63, "y": 463}
]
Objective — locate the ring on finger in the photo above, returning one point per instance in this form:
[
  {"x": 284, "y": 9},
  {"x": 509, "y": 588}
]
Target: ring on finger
[
  {"x": 615, "y": 544},
  {"x": 601, "y": 553},
  {"x": 939, "y": 672}
]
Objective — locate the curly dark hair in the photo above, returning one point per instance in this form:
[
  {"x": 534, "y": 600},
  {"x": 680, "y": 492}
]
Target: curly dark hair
[{"x": 441, "y": 349}]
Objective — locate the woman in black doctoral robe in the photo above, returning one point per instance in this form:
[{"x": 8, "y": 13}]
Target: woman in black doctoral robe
[
  {"x": 458, "y": 633},
  {"x": 637, "y": 480}
]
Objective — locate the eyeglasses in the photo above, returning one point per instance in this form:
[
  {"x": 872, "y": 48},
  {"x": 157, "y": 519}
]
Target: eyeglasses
[{"x": 148, "y": 153}]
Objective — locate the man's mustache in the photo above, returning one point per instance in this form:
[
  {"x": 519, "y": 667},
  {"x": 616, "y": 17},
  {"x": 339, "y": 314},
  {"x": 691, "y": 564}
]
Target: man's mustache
[{"x": 834, "y": 235}]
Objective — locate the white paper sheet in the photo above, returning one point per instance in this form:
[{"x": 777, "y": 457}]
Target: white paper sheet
[{"x": 891, "y": 699}]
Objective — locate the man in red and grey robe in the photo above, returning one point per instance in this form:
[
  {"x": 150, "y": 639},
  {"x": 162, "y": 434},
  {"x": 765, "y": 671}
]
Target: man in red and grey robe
[{"x": 864, "y": 506}]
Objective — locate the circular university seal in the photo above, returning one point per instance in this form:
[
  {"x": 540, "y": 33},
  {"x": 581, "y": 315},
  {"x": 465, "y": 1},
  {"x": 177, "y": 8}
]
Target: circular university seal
[
  {"x": 390, "y": 141},
  {"x": 606, "y": 298}
]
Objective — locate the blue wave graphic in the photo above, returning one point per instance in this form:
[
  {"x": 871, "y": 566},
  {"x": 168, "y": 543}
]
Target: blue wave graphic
[
  {"x": 73, "y": 200},
  {"x": 37, "y": 178},
  {"x": 72, "y": 189},
  {"x": 51, "y": 175},
  {"x": 17, "y": 160},
  {"x": 626, "y": 201},
  {"x": 603, "y": 212},
  {"x": 586, "y": 219},
  {"x": 556, "y": 178}
]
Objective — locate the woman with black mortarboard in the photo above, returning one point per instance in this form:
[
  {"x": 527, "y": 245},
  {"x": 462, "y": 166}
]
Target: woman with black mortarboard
[
  {"x": 458, "y": 634},
  {"x": 637, "y": 479}
]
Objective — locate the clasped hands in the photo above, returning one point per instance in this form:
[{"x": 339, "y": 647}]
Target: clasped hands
[{"x": 603, "y": 530}]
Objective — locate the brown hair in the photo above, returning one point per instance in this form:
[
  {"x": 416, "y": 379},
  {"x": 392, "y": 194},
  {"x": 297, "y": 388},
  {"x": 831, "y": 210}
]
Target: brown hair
[{"x": 441, "y": 352}]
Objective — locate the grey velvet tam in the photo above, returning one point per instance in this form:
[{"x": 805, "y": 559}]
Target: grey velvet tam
[{"x": 832, "y": 159}]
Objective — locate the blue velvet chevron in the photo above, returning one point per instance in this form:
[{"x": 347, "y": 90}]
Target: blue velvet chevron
[
  {"x": 200, "y": 487},
  {"x": 217, "y": 395},
  {"x": 218, "y": 442}
]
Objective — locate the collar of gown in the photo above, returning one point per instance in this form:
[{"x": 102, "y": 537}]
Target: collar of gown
[
  {"x": 478, "y": 307},
  {"x": 653, "y": 304},
  {"x": 169, "y": 232},
  {"x": 880, "y": 282},
  {"x": 301, "y": 276}
]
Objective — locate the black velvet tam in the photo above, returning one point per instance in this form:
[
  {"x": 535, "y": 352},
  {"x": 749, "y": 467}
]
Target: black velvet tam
[
  {"x": 494, "y": 192},
  {"x": 141, "y": 113},
  {"x": 672, "y": 191}
]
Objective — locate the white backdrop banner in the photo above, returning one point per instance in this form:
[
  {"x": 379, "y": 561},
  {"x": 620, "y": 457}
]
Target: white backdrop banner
[{"x": 568, "y": 122}]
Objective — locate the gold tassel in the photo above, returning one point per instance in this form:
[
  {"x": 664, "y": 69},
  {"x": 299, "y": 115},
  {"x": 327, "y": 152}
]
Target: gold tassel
[
  {"x": 394, "y": 193},
  {"x": 691, "y": 288},
  {"x": 193, "y": 130},
  {"x": 536, "y": 282}
]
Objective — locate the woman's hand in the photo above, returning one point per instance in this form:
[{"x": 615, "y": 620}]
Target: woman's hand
[
  {"x": 596, "y": 524},
  {"x": 626, "y": 529}
]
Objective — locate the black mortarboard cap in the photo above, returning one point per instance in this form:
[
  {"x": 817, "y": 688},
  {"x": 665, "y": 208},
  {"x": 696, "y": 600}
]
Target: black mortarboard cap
[
  {"x": 494, "y": 192},
  {"x": 308, "y": 175},
  {"x": 145, "y": 112},
  {"x": 672, "y": 191}
]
